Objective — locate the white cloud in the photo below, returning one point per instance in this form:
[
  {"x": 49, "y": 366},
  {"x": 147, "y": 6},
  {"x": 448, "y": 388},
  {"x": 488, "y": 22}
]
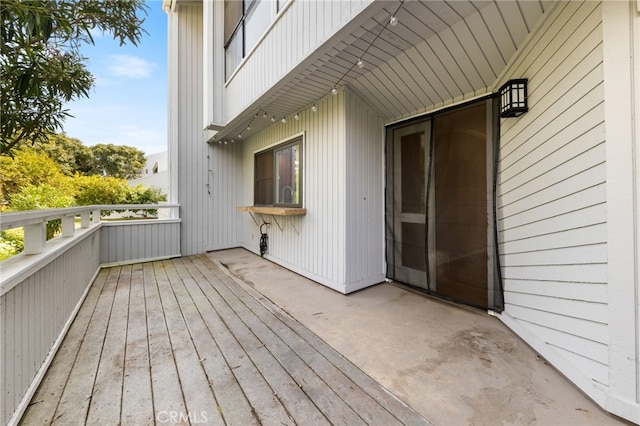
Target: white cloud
[{"x": 130, "y": 66}]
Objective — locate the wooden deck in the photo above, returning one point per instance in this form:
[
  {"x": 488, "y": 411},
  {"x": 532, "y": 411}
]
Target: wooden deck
[{"x": 183, "y": 342}]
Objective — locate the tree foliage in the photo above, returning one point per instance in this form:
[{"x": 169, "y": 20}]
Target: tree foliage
[
  {"x": 74, "y": 157},
  {"x": 100, "y": 190},
  {"x": 120, "y": 161},
  {"x": 28, "y": 168},
  {"x": 43, "y": 196},
  {"x": 71, "y": 155},
  {"x": 42, "y": 67}
]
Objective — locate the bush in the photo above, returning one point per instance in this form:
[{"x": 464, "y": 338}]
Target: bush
[
  {"x": 43, "y": 196},
  {"x": 28, "y": 168},
  {"x": 11, "y": 243},
  {"x": 141, "y": 195},
  {"x": 100, "y": 190}
]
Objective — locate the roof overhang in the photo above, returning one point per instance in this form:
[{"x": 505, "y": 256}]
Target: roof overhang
[{"x": 439, "y": 53}]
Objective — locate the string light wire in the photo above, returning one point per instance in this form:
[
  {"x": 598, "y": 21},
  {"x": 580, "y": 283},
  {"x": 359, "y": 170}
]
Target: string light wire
[
  {"x": 359, "y": 63},
  {"x": 384, "y": 27}
]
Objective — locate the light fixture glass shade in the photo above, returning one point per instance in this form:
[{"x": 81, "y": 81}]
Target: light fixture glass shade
[
  {"x": 297, "y": 116},
  {"x": 513, "y": 98},
  {"x": 393, "y": 21},
  {"x": 334, "y": 91},
  {"x": 284, "y": 120},
  {"x": 314, "y": 107},
  {"x": 360, "y": 63}
]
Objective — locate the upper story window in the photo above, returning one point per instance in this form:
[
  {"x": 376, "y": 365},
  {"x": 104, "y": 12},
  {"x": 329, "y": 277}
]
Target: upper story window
[
  {"x": 244, "y": 22},
  {"x": 278, "y": 175}
]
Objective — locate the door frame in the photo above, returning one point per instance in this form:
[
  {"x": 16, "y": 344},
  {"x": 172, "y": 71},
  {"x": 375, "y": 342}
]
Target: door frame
[{"x": 495, "y": 296}]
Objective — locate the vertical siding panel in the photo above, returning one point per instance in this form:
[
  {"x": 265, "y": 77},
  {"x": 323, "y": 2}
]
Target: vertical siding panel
[
  {"x": 319, "y": 24},
  {"x": 300, "y": 29},
  {"x": 364, "y": 251},
  {"x": 208, "y": 214},
  {"x": 21, "y": 326},
  {"x": 313, "y": 244},
  {"x": 33, "y": 315},
  {"x": 9, "y": 349}
]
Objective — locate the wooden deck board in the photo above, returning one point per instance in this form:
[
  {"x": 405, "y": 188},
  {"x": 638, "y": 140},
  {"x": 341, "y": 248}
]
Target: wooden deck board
[
  {"x": 232, "y": 403},
  {"x": 366, "y": 407},
  {"x": 322, "y": 356},
  {"x": 293, "y": 399},
  {"x": 137, "y": 401},
  {"x": 76, "y": 397},
  {"x": 166, "y": 391},
  {"x": 182, "y": 342},
  {"x": 44, "y": 402},
  {"x": 262, "y": 398},
  {"x": 106, "y": 397},
  {"x": 304, "y": 383},
  {"x": 179, "y": 311}
]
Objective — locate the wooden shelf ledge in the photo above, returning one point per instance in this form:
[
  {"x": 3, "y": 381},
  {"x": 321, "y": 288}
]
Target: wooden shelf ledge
[{"x": 274, "y": 211}]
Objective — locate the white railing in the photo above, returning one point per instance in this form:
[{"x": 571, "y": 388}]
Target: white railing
[{"x": 42, "y": 288}]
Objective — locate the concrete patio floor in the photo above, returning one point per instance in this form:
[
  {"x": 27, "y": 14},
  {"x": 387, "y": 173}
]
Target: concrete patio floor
[{"x": 453, "y": 365}]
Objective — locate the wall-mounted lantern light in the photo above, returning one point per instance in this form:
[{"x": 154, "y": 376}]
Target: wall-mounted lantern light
[{"x": 513, "y": 98}]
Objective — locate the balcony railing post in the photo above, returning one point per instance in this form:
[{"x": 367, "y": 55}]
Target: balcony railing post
[
  {"x": 68, "y": 226},
  {"x": 85, "y": 219},
  {"x": 35, "y": 238},
  {"x": 95, "y": 216}
]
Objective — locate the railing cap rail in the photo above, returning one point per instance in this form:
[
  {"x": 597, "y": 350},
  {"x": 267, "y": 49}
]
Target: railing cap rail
[{"x": 11, "y": 220}]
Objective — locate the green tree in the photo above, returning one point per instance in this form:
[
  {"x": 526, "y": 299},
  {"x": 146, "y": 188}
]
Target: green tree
[
  {"x": 40, "y": 61},
  {"x": 71, "y": 155},
  {"x": 120, "y": 161}
]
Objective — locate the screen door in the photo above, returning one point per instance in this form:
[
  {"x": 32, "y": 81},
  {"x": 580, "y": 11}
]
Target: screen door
[{"x": 439, "y": 205}]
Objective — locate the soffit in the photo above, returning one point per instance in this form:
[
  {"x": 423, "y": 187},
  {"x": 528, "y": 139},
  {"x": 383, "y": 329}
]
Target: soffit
[{"x": 439, "y": 52}]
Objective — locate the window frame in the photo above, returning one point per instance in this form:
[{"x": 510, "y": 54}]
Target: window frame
[
  {"x": 297, "y": 140},
  {"x": 247, "y": 9}
]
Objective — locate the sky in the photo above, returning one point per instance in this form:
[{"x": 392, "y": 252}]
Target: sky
[{"x": 128, "y": 104}]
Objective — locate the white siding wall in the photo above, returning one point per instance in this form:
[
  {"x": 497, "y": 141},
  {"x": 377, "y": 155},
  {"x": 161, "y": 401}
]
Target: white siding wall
[
  {"x": 34, "y": 314},
  {"x": 365, "y": 251},
  {"x": 340, "y": 241},
  {"x": 314, "y": 244},
  {"x": 207, "y": 180},
  {"x": 299, "y": 30},
  {"x": 551, "y": 193},
  {"x": 621, "y": 30}
]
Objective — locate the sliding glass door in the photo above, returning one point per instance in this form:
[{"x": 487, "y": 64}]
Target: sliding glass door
[{"x": 439, "y": 204}]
